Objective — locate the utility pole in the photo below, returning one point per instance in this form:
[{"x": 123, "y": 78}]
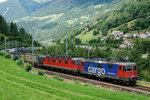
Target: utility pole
[
  {"x": 16, "y": 45},
  {"x": 66, "y": 46},
  {"x": 8, "y": 44},
  {"x": 46, "y": 47},
  {"x": 88, "y": 51},
  {"x": 56, "y": 48},
  {"x": 5, "y": 44},
  {"x": 85, "y": 53},
  {"x": 32, "y": 50},
  {"x": 46, "y": 51}
]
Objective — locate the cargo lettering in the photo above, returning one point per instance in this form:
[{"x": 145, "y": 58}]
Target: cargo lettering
[{"x": 100, "y": 71}]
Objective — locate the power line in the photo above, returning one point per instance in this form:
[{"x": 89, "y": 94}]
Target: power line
[
  {"x": 66, "y": 46},
  {"x": 32, "y": 50},
  {"x": 5, "y": 12}
]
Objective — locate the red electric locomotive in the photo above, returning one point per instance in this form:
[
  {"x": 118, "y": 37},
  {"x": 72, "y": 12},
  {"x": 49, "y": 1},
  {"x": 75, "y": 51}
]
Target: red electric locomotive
[{"x": 71, "y": 63}]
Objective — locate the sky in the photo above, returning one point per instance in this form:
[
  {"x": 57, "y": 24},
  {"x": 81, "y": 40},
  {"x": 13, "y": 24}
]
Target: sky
[{"x": 2, "y": 1}]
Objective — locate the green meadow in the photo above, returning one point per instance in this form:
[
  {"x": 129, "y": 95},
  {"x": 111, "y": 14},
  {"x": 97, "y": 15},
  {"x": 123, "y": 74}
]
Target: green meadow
[{"x": 17, "y": 84}]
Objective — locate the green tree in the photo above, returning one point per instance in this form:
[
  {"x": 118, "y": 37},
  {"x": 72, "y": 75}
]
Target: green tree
[
  {"x": 134, "y": 55},
  {"x": 77, "y": 41},
  {"x": 95, "y": 32},
  {"x": 22, "y": 31},
  {"x": 138, "y": 46},
  {"x": 3, "y": 26}
]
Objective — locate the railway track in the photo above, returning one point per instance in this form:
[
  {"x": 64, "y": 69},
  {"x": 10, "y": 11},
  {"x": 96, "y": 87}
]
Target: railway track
[
  {"x": 142, "y": 88},
  {"x": 133, "y": 89}
]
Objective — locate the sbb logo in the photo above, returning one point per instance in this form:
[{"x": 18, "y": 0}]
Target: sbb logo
[{"x": 100, "y": 71}]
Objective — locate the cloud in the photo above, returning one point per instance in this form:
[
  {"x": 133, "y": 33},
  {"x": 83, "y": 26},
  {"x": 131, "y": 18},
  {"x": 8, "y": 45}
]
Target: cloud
[{"x": 2, "y": 1}]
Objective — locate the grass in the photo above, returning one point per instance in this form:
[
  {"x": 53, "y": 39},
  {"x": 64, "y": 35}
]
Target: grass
[
  {"x": 88, "y": 36},
  {"x": 16, "y": 84},
  {"x": 143, "y": 84}
]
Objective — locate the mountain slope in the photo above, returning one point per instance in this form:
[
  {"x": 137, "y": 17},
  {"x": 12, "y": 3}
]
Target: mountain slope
[
  {"x": 60, "y": 16},
  {"x": 21, "y": 8},
  {"x": 33, "y": 5},
  {"x": 15, "y": 10}
]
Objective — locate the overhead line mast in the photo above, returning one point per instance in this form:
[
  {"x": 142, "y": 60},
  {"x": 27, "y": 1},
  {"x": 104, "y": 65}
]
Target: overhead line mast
[
  {"x": 66, "y": 46},
  {"x": 32, "y": 50}
]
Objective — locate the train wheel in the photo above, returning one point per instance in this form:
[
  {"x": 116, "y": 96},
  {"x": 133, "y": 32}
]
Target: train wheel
[
  {"x": 133, "y": 83},
  {"x": 127, "y": 83}
]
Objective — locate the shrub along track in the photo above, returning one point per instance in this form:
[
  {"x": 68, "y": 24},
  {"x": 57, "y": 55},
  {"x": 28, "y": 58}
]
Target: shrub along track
[{"x": 118, "y": 87}]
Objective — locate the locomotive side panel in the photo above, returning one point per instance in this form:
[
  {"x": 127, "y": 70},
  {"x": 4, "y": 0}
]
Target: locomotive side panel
[
  {"x": 60, "y": 63},
  {"x": 101, "y": 69}
]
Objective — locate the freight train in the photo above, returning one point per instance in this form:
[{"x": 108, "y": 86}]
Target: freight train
[{"x": 125, "y": 72}]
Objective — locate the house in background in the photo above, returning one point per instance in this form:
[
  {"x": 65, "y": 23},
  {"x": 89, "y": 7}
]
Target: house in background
[
  {"x": 143, "y": 36},
  {"x": 128, "y": 35},
  {"x": 123, "y": 46},
  {"x": 117, "y": 34},
  {"x": 135, "y": 35}
]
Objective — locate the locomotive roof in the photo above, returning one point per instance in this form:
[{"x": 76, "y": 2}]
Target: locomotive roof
[
  {"x": 35, "y": 54},
  {"x": 112, "y": 62},
  {"x": 68, "y": 57},
  {"x": 76, "y": 58}
]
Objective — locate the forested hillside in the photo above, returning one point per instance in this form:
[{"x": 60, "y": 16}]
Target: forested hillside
[
  {"x": 129, "y": 14},
  {"x": 12, "y": 33},
  {"x": 126, "y": 12}
]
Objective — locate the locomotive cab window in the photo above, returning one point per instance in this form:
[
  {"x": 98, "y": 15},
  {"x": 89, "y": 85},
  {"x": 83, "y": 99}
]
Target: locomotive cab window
[
  {"x": 124, "y": 68},
  {"x": 129, "y": 68},
  {"x": 119, "y": 67},
  {"x": 66, "y": 62},
  {"x": 110, "y": 67},
  {"x": 90, "y": 64},
  {"x": 76, "y": 62},
  {"x": 99, "y": 65}
]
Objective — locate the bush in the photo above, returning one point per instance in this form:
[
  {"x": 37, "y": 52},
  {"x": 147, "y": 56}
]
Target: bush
[
  {"x": 15, "y": 57},
  {"x": 3, "y": 53},
  {"x": 145, "y": 75},
  {"x": 7, "y": 55},
  {"x": 19, "y": 62},
  {"x": 41, "y": 72},
  {"x": 28, "y": 67},
  {"x": 58, "y": 78},
  {"x": 95, "y": 32}
]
